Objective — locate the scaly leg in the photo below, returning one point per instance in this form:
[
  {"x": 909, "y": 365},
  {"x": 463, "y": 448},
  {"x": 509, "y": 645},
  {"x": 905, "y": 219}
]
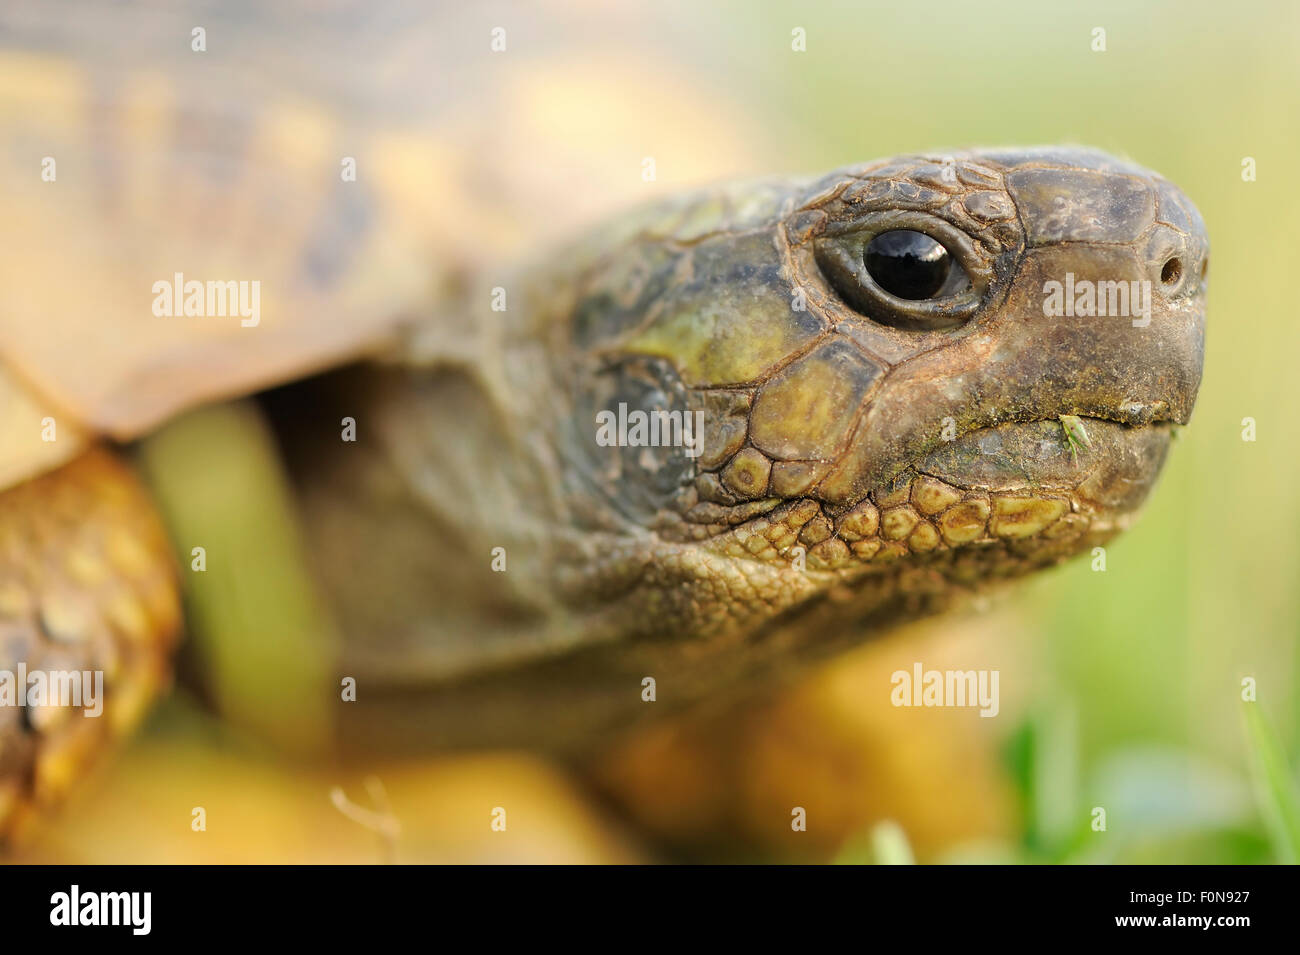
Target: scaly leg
[{"x": 87, "y": 587}]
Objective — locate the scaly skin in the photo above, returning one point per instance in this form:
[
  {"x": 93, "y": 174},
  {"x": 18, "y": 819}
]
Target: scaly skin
[
  {"x": 87, "y": 581},
  {"x": 864, "y": 459},
  {"x": 862, "y": 463}
]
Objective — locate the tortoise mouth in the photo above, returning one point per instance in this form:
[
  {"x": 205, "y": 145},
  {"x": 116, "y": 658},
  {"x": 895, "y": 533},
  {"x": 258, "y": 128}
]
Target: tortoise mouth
[
  {"x": 1110, "y": 464},
  {"x": 1019, "y": 494},
  {"x": 996, "y": 501}
]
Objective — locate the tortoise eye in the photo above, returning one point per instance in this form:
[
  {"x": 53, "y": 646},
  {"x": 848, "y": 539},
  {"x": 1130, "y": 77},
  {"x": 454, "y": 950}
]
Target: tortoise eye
[
  {"x": 909, "y": 264},
  {"x": 926, "y": 278}
]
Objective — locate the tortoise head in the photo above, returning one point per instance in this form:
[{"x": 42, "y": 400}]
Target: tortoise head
[{"x": 906, "y": 378}]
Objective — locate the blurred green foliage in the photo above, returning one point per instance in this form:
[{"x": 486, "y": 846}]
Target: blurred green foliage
[
  {"x": 1165, "y": 803},
  {"x": 1275, "y": 786}
]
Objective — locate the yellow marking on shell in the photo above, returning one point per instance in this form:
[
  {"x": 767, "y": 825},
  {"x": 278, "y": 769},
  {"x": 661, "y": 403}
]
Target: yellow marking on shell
[
  {"x": 54, "y": 91},
  {"x": 431, "y": 183},
  {"x": 581, "y": 115},
  {"x": 296, "y": 141},
  {"x": 147, "y": 112},
  {"x": 299, "y": 133},
  {"x": 136, "y": 201}
]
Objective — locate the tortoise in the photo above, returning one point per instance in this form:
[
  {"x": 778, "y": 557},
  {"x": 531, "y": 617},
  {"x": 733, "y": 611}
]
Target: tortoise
[{"x": 694, "y": 449}]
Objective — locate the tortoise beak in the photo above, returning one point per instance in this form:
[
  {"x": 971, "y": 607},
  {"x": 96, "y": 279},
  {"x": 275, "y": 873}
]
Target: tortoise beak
[
  {"x": 1118, "y": 260},
  {"x": 1102, "y": 317}
]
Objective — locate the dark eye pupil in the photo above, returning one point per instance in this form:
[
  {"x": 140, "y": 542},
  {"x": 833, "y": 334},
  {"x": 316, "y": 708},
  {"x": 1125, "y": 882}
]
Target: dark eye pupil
[{"x": 908, "y": 264}]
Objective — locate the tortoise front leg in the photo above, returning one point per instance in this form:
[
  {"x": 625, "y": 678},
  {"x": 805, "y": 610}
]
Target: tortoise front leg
[{"x": 89, "y": 615}]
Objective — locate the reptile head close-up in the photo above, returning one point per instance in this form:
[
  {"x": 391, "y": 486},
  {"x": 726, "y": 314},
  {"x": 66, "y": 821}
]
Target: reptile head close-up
[
  {"x": 382, "y": 396},
  {"x": 737, "y": 431},
  {"x": 887, "y": 387}
]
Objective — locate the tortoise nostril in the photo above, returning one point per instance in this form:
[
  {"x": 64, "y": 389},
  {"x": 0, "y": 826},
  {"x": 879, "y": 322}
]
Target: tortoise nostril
[
  {"x": 1172, "y": 271},
  {"x": 1205, "y": 267}
]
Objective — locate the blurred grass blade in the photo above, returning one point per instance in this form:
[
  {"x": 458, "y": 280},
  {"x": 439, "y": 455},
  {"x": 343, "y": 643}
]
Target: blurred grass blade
[
  {"x": 885, "y": 843},
  {"x": 1043, "y": 760},
  {"x": 261, "y": 631},
  {"x": 1274, "y": 786},
  {"x": 889, "y": 845}
]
